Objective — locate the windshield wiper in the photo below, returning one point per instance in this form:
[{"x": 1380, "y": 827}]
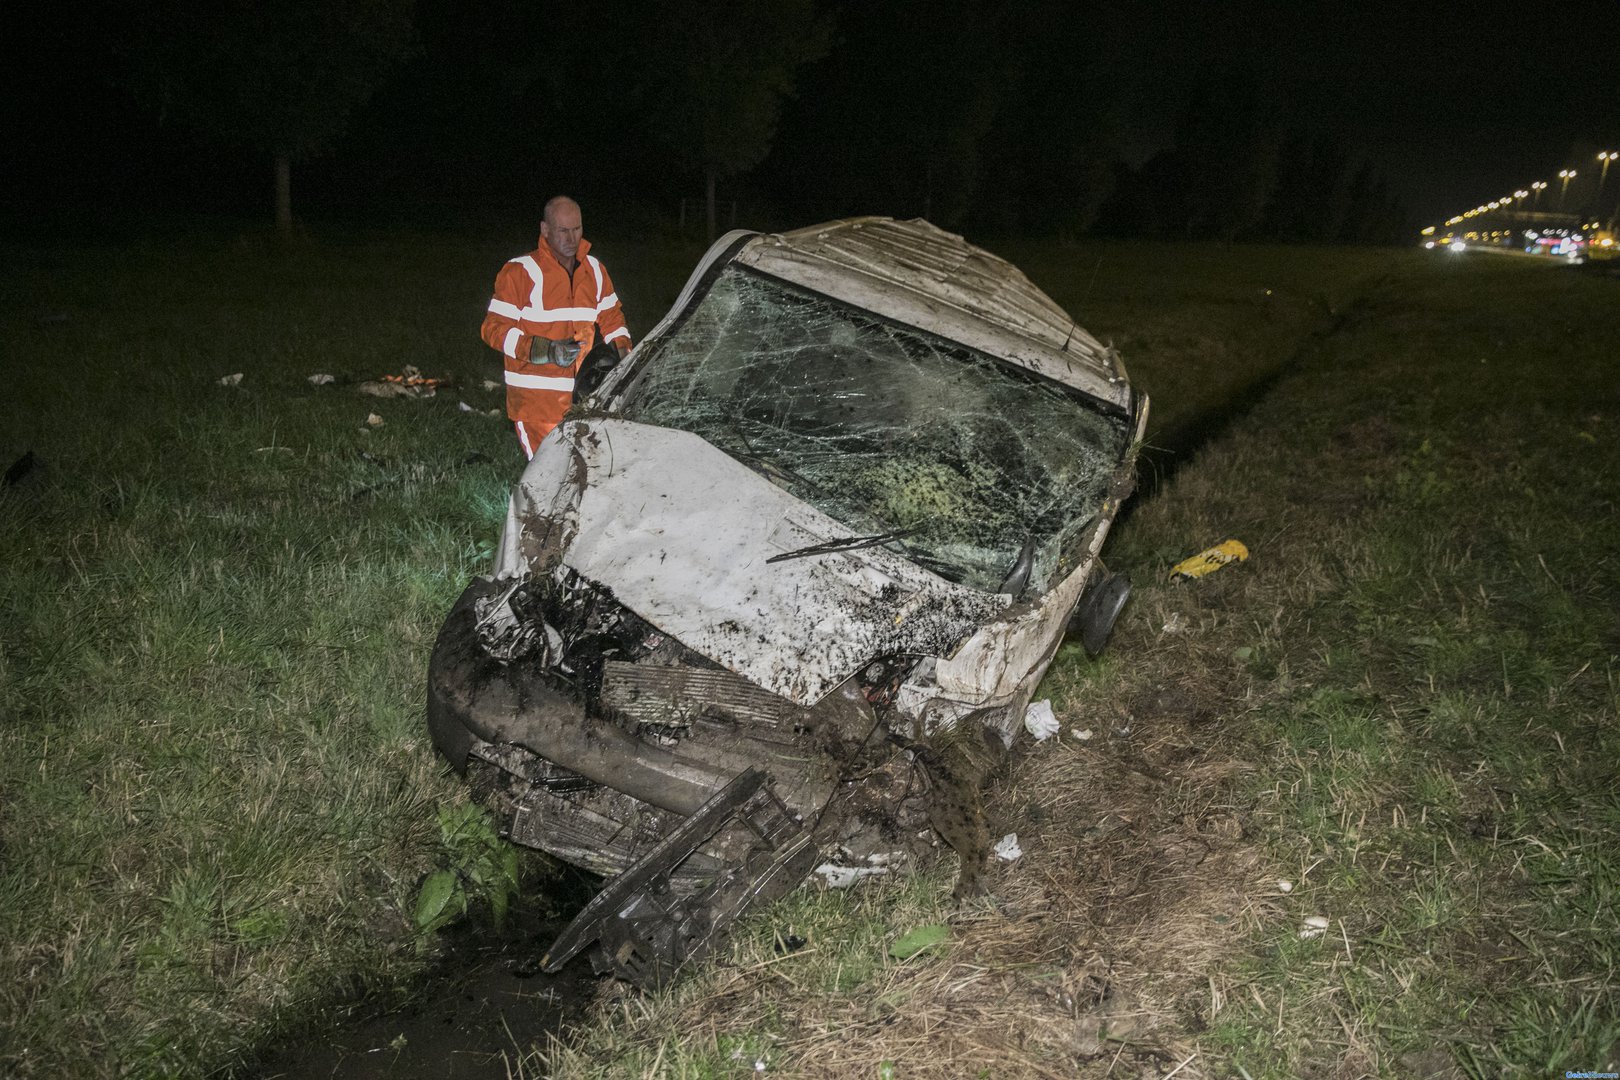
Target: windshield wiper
[{"x": 847, "y": 543}]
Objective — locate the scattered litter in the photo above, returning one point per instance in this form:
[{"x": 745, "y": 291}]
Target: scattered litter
[
  {"x": 1315, "y": 926},
  {"x": 231, "y": 380},
  {"x": 924, "y": 937},
  {"x": 373, "y": 420},
  {"x": 464, "y": 407},
  {"x": 408, "y": 383},
  {"x": 1007, "y": 848},
  {"x": 1210, "y": 559},
  {"x": 411, "y": 376},
  {"x": 841, "y": 876},
  {"x": 321, "y": 378},
  {"x": 1083, "y": 734},
  {"x": 387, "y": 389},
  {"x": 1175, "y": 624},
  {"x": 491, "y": 384},
  {"x": 1039, "y": 721},
  {"x": 759, "y": 1066},
  {"x": 1284, "y": 885}
]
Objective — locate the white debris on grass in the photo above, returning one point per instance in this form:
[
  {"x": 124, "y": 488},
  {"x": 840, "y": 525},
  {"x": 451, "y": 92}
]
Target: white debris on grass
[
  {"x": 373, "y": 420},
  {"x": 491, "y": 384},
  {"x": 842, "y": 876},
  {"x": 1007, "y": 848},
  {"x": 1175, "y": 624},
  {"x": 464, "y": 407},
  {"x": 1284, "y": 885},
  {"x": 321, "y": 378},
  {"x": 1083, "y": 734},
  {"x": 1039, "y": 721},
  {"x": 231, "y": 380},
  {"x": 1315, "y": 926}
]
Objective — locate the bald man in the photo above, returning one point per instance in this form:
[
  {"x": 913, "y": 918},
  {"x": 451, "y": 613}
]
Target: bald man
[{"x": 544, "y": 318}]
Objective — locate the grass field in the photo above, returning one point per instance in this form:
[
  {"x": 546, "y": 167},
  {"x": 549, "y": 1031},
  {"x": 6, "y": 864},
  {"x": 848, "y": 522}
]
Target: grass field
[
  {"x": 1397, "y": 720},
  {"x": 217, "y": 603}
]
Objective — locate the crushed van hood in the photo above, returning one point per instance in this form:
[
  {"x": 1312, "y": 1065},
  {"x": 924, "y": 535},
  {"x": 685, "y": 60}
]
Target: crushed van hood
[{"x": 681, "y": 534}]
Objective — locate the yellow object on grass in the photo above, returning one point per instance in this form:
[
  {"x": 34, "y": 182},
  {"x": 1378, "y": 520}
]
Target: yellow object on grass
[{"x": 1210, "y": 560}]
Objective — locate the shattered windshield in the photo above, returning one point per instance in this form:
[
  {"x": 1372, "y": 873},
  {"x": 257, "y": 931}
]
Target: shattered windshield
[{"x": 883, "y": 427}]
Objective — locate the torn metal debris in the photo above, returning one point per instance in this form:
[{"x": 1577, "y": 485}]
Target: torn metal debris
[{"x": 774, "y": 598}]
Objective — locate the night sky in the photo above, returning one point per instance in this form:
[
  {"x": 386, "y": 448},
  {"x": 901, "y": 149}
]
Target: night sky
[{"x": 1034, "y": 117}]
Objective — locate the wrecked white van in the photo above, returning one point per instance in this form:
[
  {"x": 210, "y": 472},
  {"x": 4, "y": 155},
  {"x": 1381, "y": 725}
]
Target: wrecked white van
[{"x": 766, "y": 603}]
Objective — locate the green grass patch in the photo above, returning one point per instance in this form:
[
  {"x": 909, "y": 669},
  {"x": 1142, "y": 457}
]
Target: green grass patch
[{"x": 1436, "y": 609}]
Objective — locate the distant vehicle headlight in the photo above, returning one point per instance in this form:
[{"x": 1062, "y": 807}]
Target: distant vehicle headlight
[{"x": 1458, "y": 245}]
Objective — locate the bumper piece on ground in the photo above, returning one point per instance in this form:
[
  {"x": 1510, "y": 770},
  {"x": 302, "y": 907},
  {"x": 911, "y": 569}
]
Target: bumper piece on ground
[{"x": 647, "y": 929}]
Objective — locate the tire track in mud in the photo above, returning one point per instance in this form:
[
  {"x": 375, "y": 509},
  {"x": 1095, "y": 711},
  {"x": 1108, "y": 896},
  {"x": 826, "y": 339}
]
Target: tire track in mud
[
  {"x": 1142, "y": 877},
  {"x": 1173, "y": 448}
]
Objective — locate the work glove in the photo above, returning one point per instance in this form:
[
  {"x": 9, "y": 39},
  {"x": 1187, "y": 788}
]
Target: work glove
[{"x": 546, "y": 351}]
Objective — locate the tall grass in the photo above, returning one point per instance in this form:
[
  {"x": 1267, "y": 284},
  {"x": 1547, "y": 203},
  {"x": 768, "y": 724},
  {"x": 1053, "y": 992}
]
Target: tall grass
[{"x": 215, "y": 613}]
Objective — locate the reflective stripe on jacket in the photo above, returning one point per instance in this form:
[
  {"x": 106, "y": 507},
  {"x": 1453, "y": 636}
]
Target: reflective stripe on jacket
[{"x": 535, "y": 297}]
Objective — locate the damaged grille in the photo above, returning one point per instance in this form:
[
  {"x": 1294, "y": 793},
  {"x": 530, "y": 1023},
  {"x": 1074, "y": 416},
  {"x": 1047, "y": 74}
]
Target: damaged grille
[{"x": 673, "y": 697}]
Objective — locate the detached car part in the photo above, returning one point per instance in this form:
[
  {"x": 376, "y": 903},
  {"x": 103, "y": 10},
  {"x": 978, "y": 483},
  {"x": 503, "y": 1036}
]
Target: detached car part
[{"x": 773, "y": 599}]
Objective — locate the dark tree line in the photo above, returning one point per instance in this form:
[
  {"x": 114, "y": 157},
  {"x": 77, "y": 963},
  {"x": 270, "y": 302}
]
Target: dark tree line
[{"x": 1035, "y": 117}]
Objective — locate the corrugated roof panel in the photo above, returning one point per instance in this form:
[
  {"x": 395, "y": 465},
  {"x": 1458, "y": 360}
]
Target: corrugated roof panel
[{"x": 919, "y": 274}]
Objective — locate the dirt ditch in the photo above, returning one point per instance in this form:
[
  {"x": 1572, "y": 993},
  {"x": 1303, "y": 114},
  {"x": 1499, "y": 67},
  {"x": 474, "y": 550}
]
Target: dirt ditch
[{"x": 484, "y": 1005}]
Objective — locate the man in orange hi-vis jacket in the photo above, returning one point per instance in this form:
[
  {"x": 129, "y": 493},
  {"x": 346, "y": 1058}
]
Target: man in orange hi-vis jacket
[{"x": 543, "y": 320}]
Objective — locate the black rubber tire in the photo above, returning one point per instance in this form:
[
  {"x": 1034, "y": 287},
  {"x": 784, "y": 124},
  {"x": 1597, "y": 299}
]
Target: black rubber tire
[{"x": 452, "y": 670}]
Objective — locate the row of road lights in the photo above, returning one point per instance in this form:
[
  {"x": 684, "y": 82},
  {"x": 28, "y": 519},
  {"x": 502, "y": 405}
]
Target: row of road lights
[{"x": 1605, "y": 158}]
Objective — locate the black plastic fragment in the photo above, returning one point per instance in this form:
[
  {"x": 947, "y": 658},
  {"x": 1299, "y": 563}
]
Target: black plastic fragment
[{"x": 21, "y": 468}]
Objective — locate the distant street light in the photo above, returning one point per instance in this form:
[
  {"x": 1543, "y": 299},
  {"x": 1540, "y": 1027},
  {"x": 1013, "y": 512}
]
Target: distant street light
[
  {"x": 1566, "y": 175},
  {"x": 1538, "y": 187},
  {"x": 1605, "y": 157}
]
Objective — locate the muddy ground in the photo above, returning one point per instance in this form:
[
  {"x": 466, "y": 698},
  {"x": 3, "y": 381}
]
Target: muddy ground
[{"x": 485, "y": 1005}]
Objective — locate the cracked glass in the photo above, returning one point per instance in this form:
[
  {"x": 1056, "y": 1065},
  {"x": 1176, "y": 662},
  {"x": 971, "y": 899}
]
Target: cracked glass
[{"x": 883, "y": 427}]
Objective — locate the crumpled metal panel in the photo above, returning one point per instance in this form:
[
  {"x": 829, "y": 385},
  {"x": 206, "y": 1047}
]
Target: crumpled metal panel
[
  {"x": 921, "y": 275},
  {"x": 680, "y": 533}
]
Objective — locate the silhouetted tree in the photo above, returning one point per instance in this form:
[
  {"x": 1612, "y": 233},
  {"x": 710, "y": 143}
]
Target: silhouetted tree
[
  {"x": 1072, "y": 87},
  {"x": 713, "y": 74},
  {"x": 1230, "y": 152},
  {"x": 1312, "y": 192},
  {"x": 282, "y": 79},
  {"x": 894, "y": 121}
]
